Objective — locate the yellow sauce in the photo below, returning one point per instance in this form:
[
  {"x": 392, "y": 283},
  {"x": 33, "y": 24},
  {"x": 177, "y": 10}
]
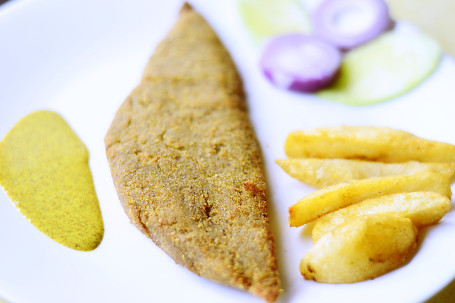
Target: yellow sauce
[{"x": 44, "y": 170}]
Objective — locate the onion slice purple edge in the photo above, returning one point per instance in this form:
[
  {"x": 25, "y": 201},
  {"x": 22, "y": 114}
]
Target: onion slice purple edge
[
  {"x": 300, "y": 62},
  {"x": 326, "y": 18}
]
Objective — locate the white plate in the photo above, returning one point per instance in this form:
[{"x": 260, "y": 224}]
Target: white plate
[{"x": 81, "y": 59}]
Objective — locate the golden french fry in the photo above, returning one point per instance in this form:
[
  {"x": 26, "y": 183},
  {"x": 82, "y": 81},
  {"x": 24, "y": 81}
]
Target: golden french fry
[
  {"x": 367, "y": 143},
  {"x": 363, "y": 248},
  {"x": 423, "y": 208},
  {"x": 325, "y": 172},
  {"x": 332, "y": 198}
]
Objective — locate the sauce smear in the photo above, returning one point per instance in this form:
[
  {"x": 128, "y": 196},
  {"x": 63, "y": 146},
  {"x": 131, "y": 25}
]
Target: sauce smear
[{"x": 44, "y": 170}]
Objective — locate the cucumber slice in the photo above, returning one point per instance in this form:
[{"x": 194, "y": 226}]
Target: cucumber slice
[
  {"x": 387, "y": 67},
  {"x": 268, "y": 18}
]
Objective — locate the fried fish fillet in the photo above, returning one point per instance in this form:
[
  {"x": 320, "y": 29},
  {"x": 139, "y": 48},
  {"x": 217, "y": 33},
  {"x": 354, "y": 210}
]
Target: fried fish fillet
[{"x": 187, "y": 166}]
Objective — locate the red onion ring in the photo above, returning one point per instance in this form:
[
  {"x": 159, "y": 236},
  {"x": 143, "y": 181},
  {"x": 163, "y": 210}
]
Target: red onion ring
[
  {"x": 300, "y": 63},
  {"x": 328, "y": 21}
]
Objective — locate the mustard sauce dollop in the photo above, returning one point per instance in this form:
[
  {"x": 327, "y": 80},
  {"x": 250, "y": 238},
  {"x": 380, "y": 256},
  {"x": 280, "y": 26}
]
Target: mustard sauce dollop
[{"x": 44, "y": 170}]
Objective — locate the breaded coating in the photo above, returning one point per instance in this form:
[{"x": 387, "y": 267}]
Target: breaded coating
[{"x": 187, "y": 166}]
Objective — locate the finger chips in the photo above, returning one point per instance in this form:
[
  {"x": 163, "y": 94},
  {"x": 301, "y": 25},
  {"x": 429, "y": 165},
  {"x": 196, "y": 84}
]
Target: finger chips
[
  {"x": 377, "y": 187},
  {"x": 325, "y": 172},
  {"x": 423, "y": 208},
  {"x": 366, "y": 143}
]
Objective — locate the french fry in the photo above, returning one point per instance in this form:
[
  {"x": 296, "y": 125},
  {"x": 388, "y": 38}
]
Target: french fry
[
  {"x": 332, "y": 198},
  {"x": 423, "y": 208},
  {"x": 367, "y": 143},
  {"x": 362, "y": 248},
  {"x": 325, "y": 172}
]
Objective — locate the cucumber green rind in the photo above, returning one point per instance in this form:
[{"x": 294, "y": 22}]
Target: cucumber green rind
[
  {"x": 268, "y": 18},
  {"x": 388, "y": 67}
]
